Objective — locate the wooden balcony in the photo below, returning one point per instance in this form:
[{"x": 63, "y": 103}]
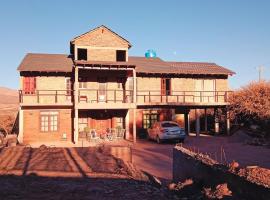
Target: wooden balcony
[
  {"x": 46, "y": 98},
  {"x": 105, "y": 99},
  {"x": 189, "y": 98}
]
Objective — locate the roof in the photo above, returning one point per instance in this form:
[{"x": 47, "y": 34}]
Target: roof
[
  {"x": 156, "y": 65},
  {"x": 46, "y": 63},
  {"x": 63, "y": 63},
  {"x": 102, "y": 26}
]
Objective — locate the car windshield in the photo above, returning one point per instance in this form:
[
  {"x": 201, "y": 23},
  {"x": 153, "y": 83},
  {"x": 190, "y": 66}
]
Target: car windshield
[{"x": 169, "y": 124}]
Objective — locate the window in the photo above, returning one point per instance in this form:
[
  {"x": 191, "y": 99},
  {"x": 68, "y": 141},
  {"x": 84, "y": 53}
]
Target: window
[
  {"x": 120, "y": 81},
  {"x": 121, "y": 55},
  {"x": 102, "y": 89},
  {"x": 82, "y": 82},
  {"x": 49, "y": 121},
  {"x": 149, "y": 118},
  {"x": 165, "y": 86},
  {"x": 68, "y": 86},
  {"x": 82, "y": 54},
  {"x": 29, "y": 85}
]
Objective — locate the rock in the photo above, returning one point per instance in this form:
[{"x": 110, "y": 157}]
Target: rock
[
  {"x": 233, "y": 166},
  {"x": 172, "y": 186},
  {"x": 219, "y": 192}
]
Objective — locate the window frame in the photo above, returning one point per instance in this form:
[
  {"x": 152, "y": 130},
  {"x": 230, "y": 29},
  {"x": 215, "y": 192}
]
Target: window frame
[
  {"x": 49, "y": 114},
  {"x": 86, "y": 54},
  {"x": 29, "y": 85},
  {"x": 124, "y": 55},
  {"x": 166, "y": 82},
  {"x": 82, "y": 82}
]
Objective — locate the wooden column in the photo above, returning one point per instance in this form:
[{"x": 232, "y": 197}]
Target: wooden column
[
  {"x": 205, "y": 120},
  {"x": 228, "y": 125},
  {"x": 197, "y": 122},
  {"x": 134, "y": 86},
  {"x": 216, "y": 120},
  {"x": 76, "y": 111},
  {"x": 20, "y": 135},
  {"x": 134, "y": 126},
  {"x": 127, "y": 125},
  {"x": 187, "y": 123}
]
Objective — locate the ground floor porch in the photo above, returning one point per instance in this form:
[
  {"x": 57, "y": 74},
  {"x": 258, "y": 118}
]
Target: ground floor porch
[{"x": 68, "y": 125}]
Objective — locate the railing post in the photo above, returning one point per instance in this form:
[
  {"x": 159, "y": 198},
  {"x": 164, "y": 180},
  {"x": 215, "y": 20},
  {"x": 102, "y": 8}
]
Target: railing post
[
  {"x": 114, "y": 96},
  {"x": 38, "y": 96},
  {"x": 97, "y": 97},
  {"x": 184, "y": 97},
  {"x": 20, "y": 96},
  {"x": 56, "y": 96},
  {"x": 201, "y": 96},
  {"x": 226, "y": 96},
  {"x": 167, "y": 96},
  {"x": 149, "y": 97}
]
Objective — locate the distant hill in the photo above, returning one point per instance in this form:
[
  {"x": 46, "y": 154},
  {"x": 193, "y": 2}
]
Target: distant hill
[{"x": 9, "y": 101}]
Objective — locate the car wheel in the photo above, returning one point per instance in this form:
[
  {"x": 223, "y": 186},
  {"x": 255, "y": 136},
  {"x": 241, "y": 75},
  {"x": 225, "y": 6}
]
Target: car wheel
[{"x": 159, "y": 141}]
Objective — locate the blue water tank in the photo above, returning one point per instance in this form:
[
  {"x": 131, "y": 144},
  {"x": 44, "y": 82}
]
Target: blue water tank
[{"x": 150, "y": 54}]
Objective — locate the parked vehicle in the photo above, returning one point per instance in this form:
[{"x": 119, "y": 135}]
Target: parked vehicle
[{"x": 166, "y": 130}]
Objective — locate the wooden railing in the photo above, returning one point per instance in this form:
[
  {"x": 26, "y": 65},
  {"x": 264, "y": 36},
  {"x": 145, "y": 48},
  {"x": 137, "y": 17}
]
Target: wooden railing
[
  {"x": 152, "y": 96},
  {"x": 105, "y": 96},
  {"x": 46, "y": 96},
  {"x": 122, "y": 96}
]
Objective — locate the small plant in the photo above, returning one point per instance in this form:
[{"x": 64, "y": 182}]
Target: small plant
[{"x": 86, "y": 129}]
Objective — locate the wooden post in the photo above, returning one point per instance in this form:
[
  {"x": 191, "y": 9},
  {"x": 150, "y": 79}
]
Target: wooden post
[
  {"x": 76, "y": 126},
  {"x": 197, "y": 122},
  {"x": 76, "y": 114},
  {"x": 134, "y": 126},
  {"x": 127, "y": 125},
  {"x": 216, "y": 120},
  {"x": 228, "y": 121},
  {"x": 134, "y": 86},
  {"x": 205, "y": 120},
  {"x": 20, "y": 135}
]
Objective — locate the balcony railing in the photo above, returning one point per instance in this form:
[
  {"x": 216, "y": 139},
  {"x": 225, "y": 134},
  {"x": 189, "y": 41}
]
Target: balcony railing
[
  {"x": 49, "y": 97},
  {"x": 182, "y": 96},
  {"x": 46, "y": 97},
  {"x": 105, "y": 96}
]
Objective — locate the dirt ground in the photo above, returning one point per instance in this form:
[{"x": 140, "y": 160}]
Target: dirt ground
[
  {"x": 71, "y": 173},
  {"x": 157, "y": 158}
]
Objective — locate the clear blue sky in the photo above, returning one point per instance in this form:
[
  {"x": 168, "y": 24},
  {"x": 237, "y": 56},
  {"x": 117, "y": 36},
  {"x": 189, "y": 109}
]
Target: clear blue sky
[{"x": 232, "y": 33}]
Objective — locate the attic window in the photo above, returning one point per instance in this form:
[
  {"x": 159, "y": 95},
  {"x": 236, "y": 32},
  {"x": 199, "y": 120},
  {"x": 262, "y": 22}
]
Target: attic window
[
  {"x": 120, "y": 55},
  {"x": 82, "y": 54}
]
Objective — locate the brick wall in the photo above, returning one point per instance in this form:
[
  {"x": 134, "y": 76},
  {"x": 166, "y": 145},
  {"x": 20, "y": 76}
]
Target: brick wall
[
  {"x": 31, "y": 124},
  {"x": 101, "y": 38}
]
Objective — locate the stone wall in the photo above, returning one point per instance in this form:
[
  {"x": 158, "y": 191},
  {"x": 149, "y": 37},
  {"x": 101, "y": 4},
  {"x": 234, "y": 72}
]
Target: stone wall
[{"x": 187, "y": 164}]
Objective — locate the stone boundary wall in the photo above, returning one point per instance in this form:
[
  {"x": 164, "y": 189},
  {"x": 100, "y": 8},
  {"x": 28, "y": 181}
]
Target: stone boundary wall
[{"x": 188, "y": 164}]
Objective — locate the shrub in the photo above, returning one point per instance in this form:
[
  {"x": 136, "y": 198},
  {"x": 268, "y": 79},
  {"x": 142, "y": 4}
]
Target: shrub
[{"x": 251, "y": 104}]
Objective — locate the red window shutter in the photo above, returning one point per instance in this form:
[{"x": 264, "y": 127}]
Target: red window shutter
[{"x": 26, "y": 85}]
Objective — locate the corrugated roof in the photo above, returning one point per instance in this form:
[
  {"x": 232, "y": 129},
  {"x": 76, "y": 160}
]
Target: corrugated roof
[
  {"x": 63, "y": 63},
  {"x": 46, "y": 62}
]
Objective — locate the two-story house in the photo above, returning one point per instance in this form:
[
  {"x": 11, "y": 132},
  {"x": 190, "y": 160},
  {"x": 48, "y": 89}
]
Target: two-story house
[{"x": 99, "y": 85}]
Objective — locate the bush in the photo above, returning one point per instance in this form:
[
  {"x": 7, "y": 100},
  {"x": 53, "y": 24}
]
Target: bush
[{"x": 251, "y": 104}]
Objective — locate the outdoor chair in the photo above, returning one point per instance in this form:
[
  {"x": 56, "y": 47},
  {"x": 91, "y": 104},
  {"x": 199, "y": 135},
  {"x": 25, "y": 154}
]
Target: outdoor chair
[
  {"x": 109, "y": 134},
  {"x": 94, "y": 136},
  {"x": 120, "y": 133}
]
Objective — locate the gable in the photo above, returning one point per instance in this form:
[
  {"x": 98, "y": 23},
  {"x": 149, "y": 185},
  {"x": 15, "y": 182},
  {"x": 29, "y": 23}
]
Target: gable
[{"x": 101, "y": 37}]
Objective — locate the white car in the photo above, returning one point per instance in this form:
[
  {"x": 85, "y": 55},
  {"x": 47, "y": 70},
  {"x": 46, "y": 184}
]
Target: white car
[{"x": 166, "y": 130}]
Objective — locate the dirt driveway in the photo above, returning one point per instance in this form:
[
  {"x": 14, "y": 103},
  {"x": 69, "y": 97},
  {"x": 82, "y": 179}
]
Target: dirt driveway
[{"x": 157, "y": 159}]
